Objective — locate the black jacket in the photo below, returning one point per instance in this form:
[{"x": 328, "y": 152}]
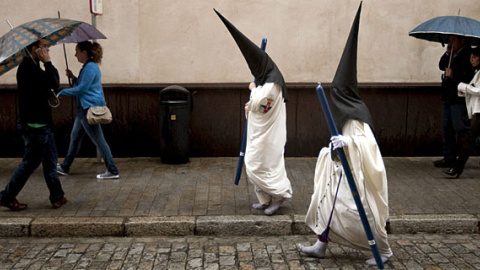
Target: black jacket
[
  {"x": 462, "y": 72},
  {"x": 34, "y": 91}
]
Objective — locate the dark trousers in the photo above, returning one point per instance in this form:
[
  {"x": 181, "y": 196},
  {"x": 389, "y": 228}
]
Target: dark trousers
[
  {"x": 40, "y": 148},
  {"x": 475, "y": 130},
  {"x": 456, "y": 134}
]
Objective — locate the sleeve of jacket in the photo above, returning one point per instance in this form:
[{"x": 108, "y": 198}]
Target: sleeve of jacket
[
  {"x": 88, "y": 75},
  {"x": 443, "y": 63},
  {"x": 52, "y": 76}
]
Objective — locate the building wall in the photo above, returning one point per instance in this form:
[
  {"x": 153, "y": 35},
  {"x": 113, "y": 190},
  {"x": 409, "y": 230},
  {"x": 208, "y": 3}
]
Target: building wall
[
  {"x": 155, "y": 43},
  {"x": 183, "y": 41}
]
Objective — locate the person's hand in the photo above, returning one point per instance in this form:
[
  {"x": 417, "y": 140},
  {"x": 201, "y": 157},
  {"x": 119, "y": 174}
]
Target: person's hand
[
  {"x": 448, "y": 49},
  {"x": 246, "y": 110},
  {"x": 462, "y": 88},
  {"x": 43, "y": 55},
  {"x": 69, "y": 73},
  {"x": 246, "y": 106},
  {"x": 338, "y": 141},
  {"x": 448, "y": 72},
  {"x": 252, "y": 85}
]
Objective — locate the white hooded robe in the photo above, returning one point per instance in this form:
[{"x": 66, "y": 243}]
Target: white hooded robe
[
  {"x": 368, "y": 170},
  {"x": 266, "y": 138}
]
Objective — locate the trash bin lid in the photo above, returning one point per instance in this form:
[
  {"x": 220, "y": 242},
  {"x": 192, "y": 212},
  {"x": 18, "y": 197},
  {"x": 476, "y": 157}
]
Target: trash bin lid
[
  {"x": 174, "y": 101},
  {"x": 174, "y": 92}
]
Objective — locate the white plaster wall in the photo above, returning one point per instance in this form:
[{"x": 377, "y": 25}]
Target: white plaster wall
[{"x": 183, "y": 41}]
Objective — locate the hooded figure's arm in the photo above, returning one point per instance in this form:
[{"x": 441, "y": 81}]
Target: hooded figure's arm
[{"x": 262, "y": 98}]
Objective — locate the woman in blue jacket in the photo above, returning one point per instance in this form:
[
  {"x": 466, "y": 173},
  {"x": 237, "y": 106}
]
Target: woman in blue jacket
[{"x": 89, "y": 93}]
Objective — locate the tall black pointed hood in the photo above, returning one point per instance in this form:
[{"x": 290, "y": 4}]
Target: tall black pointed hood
[
  {"x": 346, "y": 103},
  {"x": 261, "y": 65}
]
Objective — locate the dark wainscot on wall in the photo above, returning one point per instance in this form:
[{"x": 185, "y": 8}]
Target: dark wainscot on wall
[{"x": 407, "y": 120}]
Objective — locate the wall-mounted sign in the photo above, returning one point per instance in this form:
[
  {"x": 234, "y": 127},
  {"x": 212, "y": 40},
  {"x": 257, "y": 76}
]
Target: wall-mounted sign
[{"x": 96, "y": 7}]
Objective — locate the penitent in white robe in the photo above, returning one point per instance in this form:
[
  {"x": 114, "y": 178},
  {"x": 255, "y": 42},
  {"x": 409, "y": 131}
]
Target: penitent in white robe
[
  {"x": 266, "y": 138},
  {"x": 368, "y": 170}
]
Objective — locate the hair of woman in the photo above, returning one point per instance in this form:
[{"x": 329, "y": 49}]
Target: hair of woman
[{"x": 94, "y": 50}]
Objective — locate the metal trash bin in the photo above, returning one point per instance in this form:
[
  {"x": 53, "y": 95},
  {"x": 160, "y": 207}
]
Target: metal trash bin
[{"x": 175, "y": 109}]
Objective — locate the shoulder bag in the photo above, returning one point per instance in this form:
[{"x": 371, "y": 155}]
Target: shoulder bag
[{"x": 99, "y": 115}]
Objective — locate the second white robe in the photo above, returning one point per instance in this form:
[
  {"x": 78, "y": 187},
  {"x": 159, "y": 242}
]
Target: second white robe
[{"x": 266, "y": 138}]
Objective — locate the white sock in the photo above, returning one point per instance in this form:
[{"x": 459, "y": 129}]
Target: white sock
[
  {"x": 317, "y": 250},
  {"x": 372, "y": 261},
  {"x": 273, "y": 207},
  {"x": 259, "y": 206}
]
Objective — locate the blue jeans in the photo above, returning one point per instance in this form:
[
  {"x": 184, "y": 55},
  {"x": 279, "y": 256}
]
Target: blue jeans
[
  {"x": 39, "y": 149},
  {"x": 80, "y": 128},
  {"x": 455, "y": 132}
]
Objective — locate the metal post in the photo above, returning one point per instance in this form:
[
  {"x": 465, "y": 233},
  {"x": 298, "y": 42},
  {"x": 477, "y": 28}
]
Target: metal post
[{"x": 94, "y": 24}]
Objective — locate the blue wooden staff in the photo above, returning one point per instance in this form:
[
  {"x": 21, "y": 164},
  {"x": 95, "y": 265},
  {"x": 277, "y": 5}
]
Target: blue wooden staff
[
  {"x": 244, "y": 140},
  {"x": 351, "y": 182}
]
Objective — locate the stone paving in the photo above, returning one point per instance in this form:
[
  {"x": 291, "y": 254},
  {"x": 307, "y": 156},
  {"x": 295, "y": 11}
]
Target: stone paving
[
  {"x": 200, "y": 198},
  {"x": 414, "y": 251},
  {"x": 204, "y": 187}
]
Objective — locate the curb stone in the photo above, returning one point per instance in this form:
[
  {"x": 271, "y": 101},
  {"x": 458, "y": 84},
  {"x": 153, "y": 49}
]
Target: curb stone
[
  {"x": 456, "y": 224},
  {"x": 15, "y": 227},
  {"x": 241, "y": 225}
]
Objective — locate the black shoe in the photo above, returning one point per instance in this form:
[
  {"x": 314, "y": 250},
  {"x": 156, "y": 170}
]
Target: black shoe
[
  {"x": 442, "y": 163},
  {"x": 454, "y": 172}
]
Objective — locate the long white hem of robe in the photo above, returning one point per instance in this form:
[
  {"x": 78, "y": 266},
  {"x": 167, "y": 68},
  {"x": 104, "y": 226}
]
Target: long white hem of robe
[
  {"x": 266, "y": 138},
  {"x": 368, "y": 170}
]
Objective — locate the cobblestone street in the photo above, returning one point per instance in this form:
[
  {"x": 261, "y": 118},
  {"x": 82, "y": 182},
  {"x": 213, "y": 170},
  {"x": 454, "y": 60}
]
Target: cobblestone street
[{"x": 416, "y": 251}]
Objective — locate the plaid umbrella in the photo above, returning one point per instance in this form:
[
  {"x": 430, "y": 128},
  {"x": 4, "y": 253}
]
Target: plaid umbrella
[{"x": 55, "y": 31}]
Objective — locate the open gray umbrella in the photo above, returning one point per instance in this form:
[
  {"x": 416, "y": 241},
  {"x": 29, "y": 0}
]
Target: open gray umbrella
[{"x": 440, "y": 29}]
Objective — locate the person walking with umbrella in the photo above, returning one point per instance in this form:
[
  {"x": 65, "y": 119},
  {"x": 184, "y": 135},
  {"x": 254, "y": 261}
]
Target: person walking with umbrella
[
  {"x": 458, "y": 32},
  {"x": 89, "y": 93},
  {"x": 35, "y": 124},
  {"x": 455, "y": 62}
]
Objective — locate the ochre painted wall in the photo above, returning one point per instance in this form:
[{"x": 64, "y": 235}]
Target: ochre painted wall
[{"x": 183, "y": 41}]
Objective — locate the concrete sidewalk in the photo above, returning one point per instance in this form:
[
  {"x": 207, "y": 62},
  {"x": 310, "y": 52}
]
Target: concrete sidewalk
[{"x": 200, "y": 198}]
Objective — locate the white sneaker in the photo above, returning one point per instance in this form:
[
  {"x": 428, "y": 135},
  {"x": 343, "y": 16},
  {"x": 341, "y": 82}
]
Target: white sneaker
[
  {"x": 107, "y": 175},
  {"x": 60, "y": 170}
]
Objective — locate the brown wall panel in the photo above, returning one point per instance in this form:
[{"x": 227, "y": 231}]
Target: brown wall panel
[
  {"x": 217, "y": 121},
  {"x": 143, "y": 123},
  {"x": 63, "y": 117},
  {"x": 389, "y": 112},
  {"x": 424, "y": 120},
  {"x": 117, "y": 134},
  {"x": 10, "y": 140},
  {"x": 307, "y": 122},
  {"x": 407, "y": 120}
]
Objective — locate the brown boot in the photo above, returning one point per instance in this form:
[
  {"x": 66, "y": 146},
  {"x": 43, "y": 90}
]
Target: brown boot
[
  {"x": 14, "y": 205},
  {"x": 59, "y": 204}
]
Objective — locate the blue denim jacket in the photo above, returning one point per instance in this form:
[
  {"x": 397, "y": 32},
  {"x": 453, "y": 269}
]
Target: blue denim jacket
[{"x": 88, "y": 87}]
